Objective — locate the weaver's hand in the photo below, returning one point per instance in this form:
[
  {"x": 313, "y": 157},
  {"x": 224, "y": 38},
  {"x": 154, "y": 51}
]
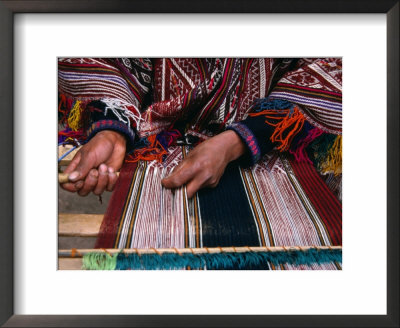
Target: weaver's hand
[
  {"x": 205, "y": 164},
  {"x": 93, "y": 167}
]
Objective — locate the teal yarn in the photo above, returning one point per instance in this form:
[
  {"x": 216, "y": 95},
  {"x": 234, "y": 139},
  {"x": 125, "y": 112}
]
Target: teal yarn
[
  {"x": 209, "y": 261},
  {"x": 126, "y": 262}
]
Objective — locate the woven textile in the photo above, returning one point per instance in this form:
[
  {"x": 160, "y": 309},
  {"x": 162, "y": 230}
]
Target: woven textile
[
  {"x": 204, "y": 94},
  {"x": 277, "y": 202},
  {"x": 317, "y": 87},
  {"x": 288, "y": 109}
]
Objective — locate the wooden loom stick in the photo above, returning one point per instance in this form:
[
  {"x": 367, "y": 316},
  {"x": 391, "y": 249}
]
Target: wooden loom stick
[
  {"x": 63, "y": 177},
  {"x": 80, "y": 252}
]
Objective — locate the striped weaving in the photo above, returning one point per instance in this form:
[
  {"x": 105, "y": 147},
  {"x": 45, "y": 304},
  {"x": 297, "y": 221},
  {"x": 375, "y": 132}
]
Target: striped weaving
[
  {"x": 317, "y": 87},
  {"x": 277, "y": 202}
]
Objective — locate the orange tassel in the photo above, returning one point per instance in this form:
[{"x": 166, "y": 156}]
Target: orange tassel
[
  {"x": 287, "y": 124},
  {"x": 155, "y": 151}
]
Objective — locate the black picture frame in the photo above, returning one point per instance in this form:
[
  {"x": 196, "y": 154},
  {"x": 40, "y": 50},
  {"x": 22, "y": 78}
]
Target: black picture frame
[{"x": 7, "y": 172}]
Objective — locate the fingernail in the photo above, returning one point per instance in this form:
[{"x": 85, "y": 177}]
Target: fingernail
[
  {"x": 110, "y": 170},
  {"x": 94, "y": 173},
  {"x": 79, "y": 185},
  {"x": 73, "y": 176},
  {"x": 103, "y": 168}
]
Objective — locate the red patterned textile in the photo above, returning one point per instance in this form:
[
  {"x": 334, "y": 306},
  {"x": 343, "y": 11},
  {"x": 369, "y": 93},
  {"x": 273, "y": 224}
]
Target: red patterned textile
[{"x": 206, "y": 94}]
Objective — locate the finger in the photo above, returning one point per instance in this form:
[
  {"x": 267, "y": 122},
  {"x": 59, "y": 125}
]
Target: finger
[
  {"x": 179, "y": 177},
  {"x": 90, "y": 183},
  {"x": 78, "y": 185},
  {"x": 203, "y": 180},
  {"x": 74, "y": 163},
  {"x": 112, "y": 179},
  {"x": 102, "y": 180},
  {"x": 70, "y": 186},
  {"x": 85, "y": 164},
  {"x": 194, "y": 186}
]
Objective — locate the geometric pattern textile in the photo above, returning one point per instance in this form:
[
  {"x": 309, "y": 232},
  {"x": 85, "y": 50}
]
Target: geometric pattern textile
[{"x": 277, "y": 202}]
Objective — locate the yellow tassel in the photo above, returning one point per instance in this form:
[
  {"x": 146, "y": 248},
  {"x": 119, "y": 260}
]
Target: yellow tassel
[
  {"x": 74, "y": 118},
  {"x": 333, "y": 161}
]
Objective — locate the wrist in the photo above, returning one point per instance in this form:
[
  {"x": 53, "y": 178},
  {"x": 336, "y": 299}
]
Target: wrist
[
  {"x": 114, "y": 136},
  {"x": 235, "y": 147}
]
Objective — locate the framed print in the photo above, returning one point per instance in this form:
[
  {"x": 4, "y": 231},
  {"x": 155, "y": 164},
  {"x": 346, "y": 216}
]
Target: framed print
[{"x": 35, "y": 34}]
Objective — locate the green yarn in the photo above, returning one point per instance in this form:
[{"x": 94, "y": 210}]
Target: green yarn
[
  {"x": 99, "y": 261},
  {"x": 209, "y": 261}
]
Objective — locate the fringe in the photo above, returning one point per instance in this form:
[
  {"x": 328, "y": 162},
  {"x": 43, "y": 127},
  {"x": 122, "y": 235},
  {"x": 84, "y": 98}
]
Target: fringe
[
  {"x": 69, "y": 136},
  {"x": 100, "y": 261},
  {"x": 287, "y": 122},
  {"x": 75, "y": 116},
  {"x": 153, "y": 151},
  {"x": 209, "y": 261},
  {"x": 318, "y": 149},
  {"x": 154, "y": 147},
  {"x": 333, "y": 162},
  {"x": 123, "y": 111},
  {"x": 72, "y": 115},
  {"x": 62, "y": 109},
  {"x": 67, "y": 104},
  {"x": 300, "y": 153}
]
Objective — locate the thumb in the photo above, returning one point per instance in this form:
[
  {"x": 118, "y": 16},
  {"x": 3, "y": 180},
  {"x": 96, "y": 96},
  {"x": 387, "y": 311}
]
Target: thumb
[
  {"x": 85, "y": 164},
  {"x": 181, "y": 175}
]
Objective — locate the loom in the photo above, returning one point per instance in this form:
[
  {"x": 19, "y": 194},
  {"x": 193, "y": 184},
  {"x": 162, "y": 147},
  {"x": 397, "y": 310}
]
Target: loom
[{"x": 130, "y": 237}]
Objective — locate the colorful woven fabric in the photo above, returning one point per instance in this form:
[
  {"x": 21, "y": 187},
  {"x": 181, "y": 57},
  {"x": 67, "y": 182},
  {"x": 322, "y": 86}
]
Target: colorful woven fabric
[
  {"x": 199, "y": 97},
  {"x": 287, "y": 190},
  {"x": 277, "y": 202},
  {"x": 317, "y": 87}
]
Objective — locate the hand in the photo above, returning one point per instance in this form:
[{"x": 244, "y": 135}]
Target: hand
[
  {"x": 94, "y": 165},
  {"x": 206, "y": 163}
]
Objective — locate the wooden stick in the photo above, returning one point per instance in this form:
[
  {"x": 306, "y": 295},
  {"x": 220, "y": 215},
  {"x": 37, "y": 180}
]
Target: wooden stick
[
  {"x": 63, "y": 177},
  {"x": 81, "y": 252}
]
